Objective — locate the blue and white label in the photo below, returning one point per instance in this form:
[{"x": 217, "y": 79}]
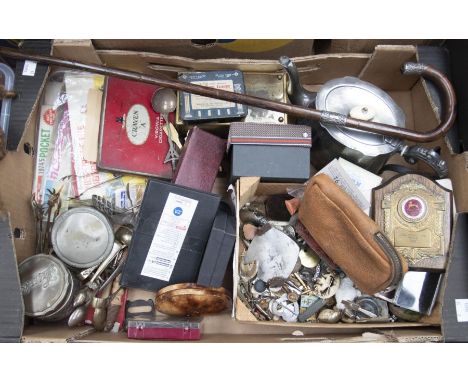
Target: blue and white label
[{"x": 170, "y": 234}]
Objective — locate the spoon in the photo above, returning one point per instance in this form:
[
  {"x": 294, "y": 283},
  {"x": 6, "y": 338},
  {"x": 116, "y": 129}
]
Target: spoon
[
  {"x": 124, "y": 235},
  {"x": 85, "y": 294},
  {"x": 164, "y": 102},
  {"x": 82, "y": 297},
  {"x": 78, "y": 316},
  {"x": 100, "y": 310}
]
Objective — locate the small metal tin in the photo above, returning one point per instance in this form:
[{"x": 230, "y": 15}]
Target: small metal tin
[
  {"x": 82, "y": 237},
  {"x": 47, "y": 286},
  {"x": 193, "y": 107},
  {"x": 374, "y": 305}
]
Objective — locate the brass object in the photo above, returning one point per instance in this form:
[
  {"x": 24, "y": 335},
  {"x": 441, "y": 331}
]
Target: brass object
[
  {"x": 405, "y": 314},
  {"x": 4, "y": 94},
  {"x": 293, "y": 297},
  {"x": 268, "y": 86},
  {"x": 308, "y": 258},
  {"x": 329, "y": 316},
  {"x": 264, "y": 303},
  {"x": 303, "y": 284},
  {"x": 245, "y": 296},
  {"x": 100, "y": 311},
  {"x": 415, "y": 213},
  {"x": 265, "y": 85},
  {"x": 248, "y": 270},
  {"x": 191, "y": 300}
]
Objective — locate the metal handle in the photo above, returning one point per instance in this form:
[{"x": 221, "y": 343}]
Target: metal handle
[
  {"x": 447, "y": 93},
  {"x": 429, "y": 156},
  {"x": 115, "y": 250}
]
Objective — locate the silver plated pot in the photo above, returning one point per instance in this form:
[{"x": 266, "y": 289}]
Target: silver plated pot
[
  {"x": 353, "y": 97},
  {"x": 347, "y": 97},
  {"x": 48, "y": 287},
  {"x": 82, "y": 237}
]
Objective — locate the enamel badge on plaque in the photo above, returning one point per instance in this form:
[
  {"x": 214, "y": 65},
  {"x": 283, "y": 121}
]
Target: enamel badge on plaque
[{"x": 416, "y": 214}]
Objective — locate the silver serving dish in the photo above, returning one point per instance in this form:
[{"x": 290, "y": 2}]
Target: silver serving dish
[
  {"x": 82, "y": 237},
  {"x": 359, "y": 99},
  {"x": 47, "y": 286}
]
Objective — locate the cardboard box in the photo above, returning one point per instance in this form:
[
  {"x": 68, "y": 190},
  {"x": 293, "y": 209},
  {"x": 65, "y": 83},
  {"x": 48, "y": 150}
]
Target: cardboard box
[
  {"x": 232, "y": 48},
  {"x": 248, "y": 188},
  {"x": 380, "y": 68},
  {"x": 364, "y": 45}
]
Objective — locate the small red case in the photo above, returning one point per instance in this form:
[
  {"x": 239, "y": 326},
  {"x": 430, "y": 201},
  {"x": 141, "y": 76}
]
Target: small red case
[
  {"x": 167, "y": 328},
  {"x": 199, "y": 161}
]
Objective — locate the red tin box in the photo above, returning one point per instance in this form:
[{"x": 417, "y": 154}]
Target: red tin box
[{"x": 132, "y": 139}]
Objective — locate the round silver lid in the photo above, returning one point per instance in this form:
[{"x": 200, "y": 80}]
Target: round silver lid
[
  {"x": 82, "y": 237},
  {"x": 44, "y": 284},
  {"x": 359, "y": 99}
]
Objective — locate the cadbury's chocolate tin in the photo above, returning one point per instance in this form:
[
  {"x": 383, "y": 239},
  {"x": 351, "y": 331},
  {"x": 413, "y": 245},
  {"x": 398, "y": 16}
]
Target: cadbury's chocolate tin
[
  {"x": 82, "y": 237},
  {"x": 48, "y": 287}
]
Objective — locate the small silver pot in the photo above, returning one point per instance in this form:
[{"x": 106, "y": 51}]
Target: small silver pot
[
  {"x": 48, "y": 288},
  {"x": 82, "y": 237}
]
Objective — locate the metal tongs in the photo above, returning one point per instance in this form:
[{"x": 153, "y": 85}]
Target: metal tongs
[{"x": 409, "y": 68}]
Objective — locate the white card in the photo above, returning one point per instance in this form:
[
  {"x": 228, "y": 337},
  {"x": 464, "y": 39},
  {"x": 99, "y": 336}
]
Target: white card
[
  {"x": 338, "y": 174},
  {"x": 29, "y": 68},
  {"x": 169, "y": 237},
  {"x": 461, "y": 306}
]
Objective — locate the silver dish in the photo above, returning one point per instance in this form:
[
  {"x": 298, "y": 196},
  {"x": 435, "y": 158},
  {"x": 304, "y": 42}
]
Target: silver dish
[
  {"x": 82, "y": 237},
  {"x": 352, "y": 97}
]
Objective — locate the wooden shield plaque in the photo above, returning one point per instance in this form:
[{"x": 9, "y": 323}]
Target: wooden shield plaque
[{"x": 416, "y": 215}]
